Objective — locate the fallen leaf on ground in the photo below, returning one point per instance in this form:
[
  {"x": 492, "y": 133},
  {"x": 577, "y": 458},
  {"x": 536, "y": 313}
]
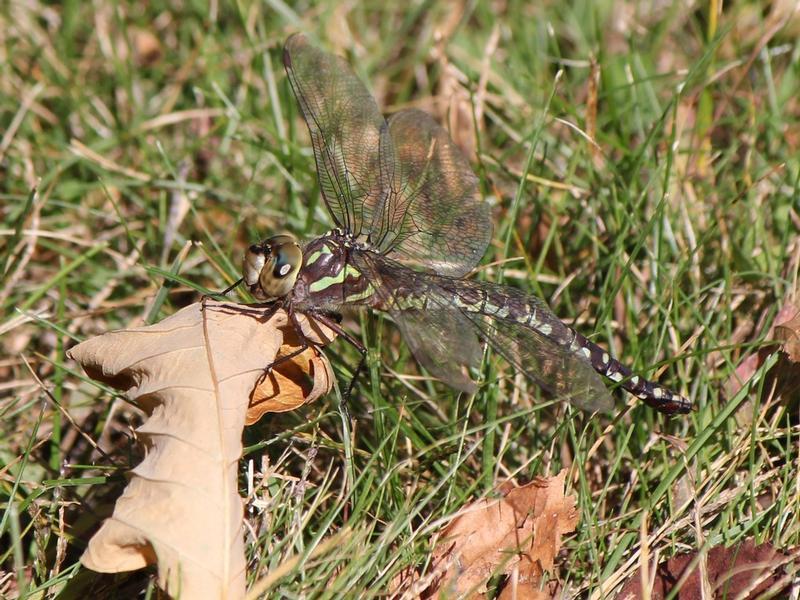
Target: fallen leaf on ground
[
  {"x": 517, "y": 535},
  {"x": 787, "y": 332},
  {"x": 193, "y": 374},
  {"x": 783, "y": 380},
  {"x": 745, "y": 571},
  {"x": 147, "y": 47}
]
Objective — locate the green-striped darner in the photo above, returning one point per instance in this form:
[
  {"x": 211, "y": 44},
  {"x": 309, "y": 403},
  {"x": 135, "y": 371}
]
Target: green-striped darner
[{"x": 410, "y": 224}]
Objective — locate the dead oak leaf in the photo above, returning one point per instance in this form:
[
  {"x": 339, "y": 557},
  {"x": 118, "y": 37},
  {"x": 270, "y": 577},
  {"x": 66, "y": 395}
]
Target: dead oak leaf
[
  {"x": 296, "y": 381},
  {"x": 782, "y": 382},
  {"x": 193, "y": 374},
  {"x": 517, "y": 534}
]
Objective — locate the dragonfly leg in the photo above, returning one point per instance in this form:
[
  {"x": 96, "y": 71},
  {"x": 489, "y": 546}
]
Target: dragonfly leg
[
  {"x": 305, "y": 343},
  {"x": 231, "y": 287},
  {"x": 331, "y": 320},
  {"x": 330, "y": 315},
  {"x": 359, "y": 367},
  {"x": 223, "y": 294}
]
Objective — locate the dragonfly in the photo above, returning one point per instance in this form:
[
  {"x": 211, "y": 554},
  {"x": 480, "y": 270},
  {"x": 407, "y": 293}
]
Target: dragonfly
[{"x": 410, "y": 225}]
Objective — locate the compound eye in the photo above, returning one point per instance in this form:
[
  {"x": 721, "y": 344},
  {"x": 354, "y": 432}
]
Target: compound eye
[
  {"x": 281, "y": 267},
  {"x": 288, "y": 259}
]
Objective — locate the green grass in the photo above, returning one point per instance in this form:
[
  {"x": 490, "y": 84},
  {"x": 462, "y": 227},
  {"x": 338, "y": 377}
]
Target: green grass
[{"x": 672, "y": 242}]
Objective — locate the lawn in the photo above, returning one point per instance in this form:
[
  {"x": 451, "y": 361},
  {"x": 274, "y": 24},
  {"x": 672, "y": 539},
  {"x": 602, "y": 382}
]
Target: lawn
[{"x": 641, "y": 164}]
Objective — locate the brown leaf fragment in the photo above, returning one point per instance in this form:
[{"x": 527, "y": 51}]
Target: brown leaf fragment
[
  {"x": 745, "y": 571},
  {"x": 788, "y": 333},
  {"x": 745, "y": 370},
  {"x": 522, "y": 591},
  {"x": 783, "y": 380},
  {"x": 517, "y": 534},
  {"x": 296, "y": 381},
  {"x": 193, "y": 374},
  {"x": 147, "y": 48}
]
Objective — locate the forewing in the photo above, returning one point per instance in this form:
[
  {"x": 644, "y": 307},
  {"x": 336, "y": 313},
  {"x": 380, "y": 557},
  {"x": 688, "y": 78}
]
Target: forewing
[
  {"x": 434, "y": 217},
  {"x": 403, "y": 185},
  {"x": 347, "y": 132}
]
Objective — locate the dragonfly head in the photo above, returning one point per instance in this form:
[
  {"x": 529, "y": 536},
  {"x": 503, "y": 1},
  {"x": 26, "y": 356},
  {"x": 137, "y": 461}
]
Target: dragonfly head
[{"x": 270, "y": 268}]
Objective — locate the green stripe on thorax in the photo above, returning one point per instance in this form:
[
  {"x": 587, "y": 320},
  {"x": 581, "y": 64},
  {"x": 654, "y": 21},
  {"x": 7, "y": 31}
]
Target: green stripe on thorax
[
  {"x": 312, "y": 258},
  {"x": 324, "y": 283},
  {"x": 348, "y": 272}
]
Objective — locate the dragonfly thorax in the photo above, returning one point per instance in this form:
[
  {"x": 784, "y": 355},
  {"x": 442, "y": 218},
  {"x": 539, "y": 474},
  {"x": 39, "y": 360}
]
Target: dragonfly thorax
[{"x": 328, "y": 277}]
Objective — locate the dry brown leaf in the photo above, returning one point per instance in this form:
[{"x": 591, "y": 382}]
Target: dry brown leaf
[
  {"x": 787, "y": 332},
  {"x": 522, "y": 591},
  {"x": 745, "y": 370},
  {"x": 518, "y": 534},
  {"x": 193, "y": 374},
  {"x": 783, "y": 380},
  {"x": 293, "y": 383},
  {"x": 147, "y": 47},
  {"x": 744, "y": 571}
]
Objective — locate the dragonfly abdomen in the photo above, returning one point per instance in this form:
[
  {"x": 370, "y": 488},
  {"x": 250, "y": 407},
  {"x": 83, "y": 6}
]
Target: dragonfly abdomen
[
  {"x": 652, "y": 393},
  {"x": 508, "y": 304}
]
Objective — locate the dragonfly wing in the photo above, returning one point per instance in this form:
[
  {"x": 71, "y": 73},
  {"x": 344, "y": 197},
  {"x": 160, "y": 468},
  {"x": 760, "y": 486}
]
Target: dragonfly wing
[
  {"x": 443, "y": 342},
  {"x": 494, "y": 314},
  {"x": 401, "y": 185},
  {"x": 443, "y": 319},
  {"x": 347, "y": 132},
  {"x": 434, "y": 218},
  {"x": 440, "y": 337}
]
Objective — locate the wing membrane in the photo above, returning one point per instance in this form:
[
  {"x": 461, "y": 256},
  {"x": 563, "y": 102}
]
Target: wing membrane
[
  {"x": 553, "y": 367},
  {"x": 443, "y": 342},
  {"x": 402, "y": 186},
  {"x": 434, "y": 214},
  {"x": 548, "y": 362},
  {"x": 346, "y": 128}
]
